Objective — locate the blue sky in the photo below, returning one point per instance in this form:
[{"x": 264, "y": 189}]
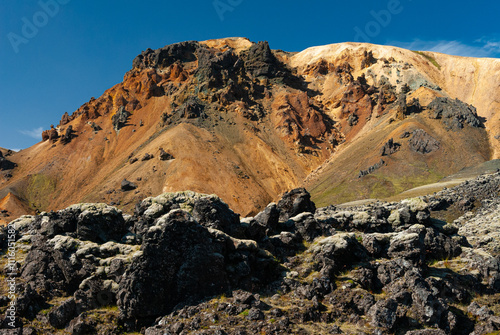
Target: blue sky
[{"x": 57, "y": 54}]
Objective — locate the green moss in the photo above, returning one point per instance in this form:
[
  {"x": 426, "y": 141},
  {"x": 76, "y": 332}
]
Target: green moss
[
  {"x": 40, "y": 191},
  {"x": 244, "y": 313},
  {"x": 429, "y": 58}
]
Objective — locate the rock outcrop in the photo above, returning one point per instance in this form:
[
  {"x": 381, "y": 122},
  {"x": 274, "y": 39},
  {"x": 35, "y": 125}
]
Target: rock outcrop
[
  {"x": 184, "y": 262},
  {"x": 455, "y": 114},
  {"x": 389, "y": 148},
  {"x": 372, "y": 168},
  {"x": 422, "y": 142},
  {"x": 6, "y": 164},
  {"x": 120, "y": 118}
]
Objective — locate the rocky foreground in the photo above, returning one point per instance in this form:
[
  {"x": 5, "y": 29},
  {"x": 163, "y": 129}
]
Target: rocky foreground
[{"x": 185, "y": 263}]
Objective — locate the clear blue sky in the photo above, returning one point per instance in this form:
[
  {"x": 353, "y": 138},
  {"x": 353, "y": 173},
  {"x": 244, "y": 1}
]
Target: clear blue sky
[{"x": 78, "y": 49}]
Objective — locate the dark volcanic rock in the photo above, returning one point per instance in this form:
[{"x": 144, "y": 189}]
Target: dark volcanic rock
[
  {"x": 128, "y": 185},
  {"x": 215, "y": 68},
  {"x": 166, "y": 56},
  {"x": 260, "y": 60},
  {"x": 5, "y": 164},
  {"x": 68, "y": 135},
  {"x": 295, "y": 202},
  {"x": 191, "y": 109},
  {"x": 185, "y": 263},
  {"x": 65, "y": 119},
  {"x": 213, "y": 213},
  {"x": 62, "y": 314},
  {"x": 389, "y": 148},
  {"x": 422, "y": 142},
  {"x": 178, "y": 256},
  {"x": 51, "y": 134},
  {"x": 372, "y": 168},
  {"x": 120, "y": 119},
  {"x": 383, "y": 314},
  {"x": 165, "y": 156},
  {"x": 454, "y": 113}
]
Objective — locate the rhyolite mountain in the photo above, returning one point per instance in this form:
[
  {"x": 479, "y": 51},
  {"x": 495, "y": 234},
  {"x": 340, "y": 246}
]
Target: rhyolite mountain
[{"x": 248, "y": 123}]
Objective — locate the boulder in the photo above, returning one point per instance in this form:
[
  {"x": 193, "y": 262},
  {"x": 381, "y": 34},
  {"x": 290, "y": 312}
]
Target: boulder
[
  {"x": 120, "y": 118},
  {"x": 422, "y": 142},
  {"x": 127, "y": 185},
  {"x": 62, "y": 314},
  {"x": 165, "y": 156},
  {"x": 178, "y": 255},
  {"x": 389, "y": 148},
  {"x": 295, "y": 202},
  {"x": 68, "y": 135}
]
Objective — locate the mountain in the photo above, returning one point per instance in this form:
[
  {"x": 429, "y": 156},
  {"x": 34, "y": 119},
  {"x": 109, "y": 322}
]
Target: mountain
[{"x": 237, "y": 119}]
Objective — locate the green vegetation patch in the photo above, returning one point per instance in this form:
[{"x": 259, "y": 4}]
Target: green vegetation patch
[
  {"x": 429, "y": 58},
  {"x": 40, "y": 190}
]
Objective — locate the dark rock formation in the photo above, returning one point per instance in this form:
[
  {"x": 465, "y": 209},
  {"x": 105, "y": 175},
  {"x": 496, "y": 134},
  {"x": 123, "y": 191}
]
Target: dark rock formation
[
  {"x": 371, "y": 169},
  {"x": 454, "y": 113},
  {"x": 191, "y": 109},
  {"x": 120, "y": 119},
  {"x": 185, "y": 262},
  {"x": 352, "y": 120},
  {"x": 166, "y": 56},
  {"x": 422, "y": 142},
  {"x": 260, "y": 60},
  {"x": 65, "y": 119},
  {"x": 389, "y": 148},
  {"x": 6, "y": 164},
  {"x": 51, "y": 134},
  {"x": 295, "y": 202},
  {"x": 147, "y": 157},
  {"x": 368, "y": 59},
  {"x": 94, "y": 126},
  {"x": 413, "y": 106},
  {"x": 127, "y": 185},
  {"x": 178, "y": 255},
  {"x": 214, "y": 68},
  {"x": 165, "y": 156},
  {"x": 68, "y": 135}
]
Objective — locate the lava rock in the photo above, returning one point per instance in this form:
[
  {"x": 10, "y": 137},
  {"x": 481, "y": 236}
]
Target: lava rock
[
  {"x": 165, "y": 156},
  {"x": 178, "y": 255},
  {"x": 454, "y": 113},
  {"x": 62, "y": 314},
  {"x": 127, "y": 185},
  {"x": 422, "y": 142},
  {"x": 120, "y": 118},
  {"x": 68, "y": 135},
  {"x": 295, "y": 202},
  {"x": 260, "y": 60},
  {"x": 389, "y": 148}
]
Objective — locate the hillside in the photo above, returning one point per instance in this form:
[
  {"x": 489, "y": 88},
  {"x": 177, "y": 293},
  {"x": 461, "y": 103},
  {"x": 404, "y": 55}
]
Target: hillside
[{"x": 236, "y": 119}]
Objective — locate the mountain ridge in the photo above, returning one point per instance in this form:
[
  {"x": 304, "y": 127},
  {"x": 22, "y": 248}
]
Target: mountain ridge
[{"x": 249, "y": 123}]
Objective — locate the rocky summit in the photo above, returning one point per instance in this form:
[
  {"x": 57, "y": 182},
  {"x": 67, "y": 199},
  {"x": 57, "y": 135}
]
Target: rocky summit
[{"x": 185, "y": 263}]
